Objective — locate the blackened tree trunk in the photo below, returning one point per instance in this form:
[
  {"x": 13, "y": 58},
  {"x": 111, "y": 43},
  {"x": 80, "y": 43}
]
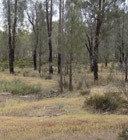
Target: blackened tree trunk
[
  {"x": 11, "y": 67},
  {"x": 14, "y": 31},
  {"x": 90, "y": 48},
  {"x": 67, "y": 67},
  {"x": 35, "y": 59},
  {"x": 106, "y": 61},
  {"x": 40, "y": 64},
  {"x": 59, "y": 61},
  {"x": 12, "y": 36},
  {"x": 70, "y": 73},
  {"x": 60, "y": 46},
  {"x": 126, "y": 68},
  {"x": 95, "y": 64},
  {"x": 49, "y": 29},
  {"x": 11, "y": 62},
  {"x": 97, "y": 34},
  {"x": 50, "y": 56},
  {"x": 91, "y": 62}
]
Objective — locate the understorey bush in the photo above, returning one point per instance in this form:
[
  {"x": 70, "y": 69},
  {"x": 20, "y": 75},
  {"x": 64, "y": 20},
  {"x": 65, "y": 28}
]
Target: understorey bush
[
  {"x": 108, "y": 102},
  {"x": 18, "y": 87},
  {"x": 124, "y": 134}
]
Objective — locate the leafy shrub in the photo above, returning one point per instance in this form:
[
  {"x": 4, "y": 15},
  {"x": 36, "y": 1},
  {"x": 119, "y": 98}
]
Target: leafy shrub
[
  {"x": 48, "y": 77},
  {"x": 79, "y": 85},
  {"x": 26, "y": 74},
  {"x": 110, "y": 79},
  {"x": 124, "y": 134},
  {"x": 85, "y": 92},
  {"x": 61, "y": 106},
  {"x": 65, "y": 84},
  {"x": 122, "y": 87},
  {"x": 41, "y": 75},
  {"x": 22, "y": 63},
  {"x": 17, "y": 87},
  {"x": 108, "y": 102}
]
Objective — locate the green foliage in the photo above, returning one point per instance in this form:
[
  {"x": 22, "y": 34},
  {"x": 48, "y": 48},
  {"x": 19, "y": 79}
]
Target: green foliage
[
  {"x": 124, "y": 134},
  {"x": 48, "y": 77},
  {"x": 122, "y": 87},
  {"x": 65, "y": 84},
  {"x": 80, "y": 85},
  {"x": 23, "y": 63},
  {"x": 85, "y": 92},
  {"x": 17, "y": 87},
  {"x": 61, "y": 106},
  {"x": 108, "y": 102},
  {"x": 4, "y": 65}
]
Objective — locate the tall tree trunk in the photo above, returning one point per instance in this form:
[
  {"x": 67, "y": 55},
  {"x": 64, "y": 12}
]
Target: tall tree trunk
[
  {"x": 40, "y": 49},
  {"x": 35, "y": 50},
  {"x": 126, "y": 68},
  {"x": 11, "y": 66},
  {"x": 35, "y": 59},
  {"x": 89, "y": 47},
  {"x": 59, "y": 61},
  {"x": 60, "y": 47},
  {"x": 70, "y": 73},
  {"x": 122, "y": 50},
  {"x": 14, "y": 31},
  {"x": 50, "y": 56},
  {"x": 40, "y": 64},
  {"x": 11, "y": 62},
  {"x": 67, "y": 64},
  {"x": 49, "y": 29},
  {"x": 96, "y": 47},
  {"x": 97, "y": 34},
  {"x": 91, "y": 61},
  {"x": 106, "y": 61}
]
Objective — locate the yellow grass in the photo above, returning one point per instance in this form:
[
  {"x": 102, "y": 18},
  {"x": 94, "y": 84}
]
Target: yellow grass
[{"x": 59, "y": 118}]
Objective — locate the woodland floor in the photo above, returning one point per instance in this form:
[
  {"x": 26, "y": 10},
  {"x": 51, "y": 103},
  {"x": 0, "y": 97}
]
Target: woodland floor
[{"x": 50, "y": 116}]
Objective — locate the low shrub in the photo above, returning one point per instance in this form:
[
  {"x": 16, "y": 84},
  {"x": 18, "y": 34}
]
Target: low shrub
[
  {"x": 17, "y": 87},
  {"x": 26, "y": 74},
  {"x": 124, "y": 134},
  {"x": 22, "y": 63},
  {"x": 80, "y": 84},
  {"x": 85, "y": 92},
  {"x": 48, "y": 77},
  {"x": 65, "y": 84},
  {"x": 108, "y": 102}
]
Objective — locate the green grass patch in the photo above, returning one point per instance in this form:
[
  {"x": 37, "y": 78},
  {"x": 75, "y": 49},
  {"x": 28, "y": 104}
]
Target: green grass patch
[{"x": 18, "y": 87}]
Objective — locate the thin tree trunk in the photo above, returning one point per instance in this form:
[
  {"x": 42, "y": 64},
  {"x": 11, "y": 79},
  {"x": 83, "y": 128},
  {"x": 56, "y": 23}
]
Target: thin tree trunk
[
  {"x": 70, "y": 73},
  {"x": 40, "y": 51},
  {"x": 96, "y": 47},
  {"x": 11, "y": 66},
  {"x": 50, "y": 56},
  {"x": 59, "y": 61},
  {"x": 106, "y": 61},
  {"x": 35, "y": 51},
  {"x": 49, "y": 29},
  {"x": 14, "y": 31},
  {"x": 126, "y": 68},
  {"x": 91, "y": 62},
  {"x": 35, "y": 59},
  {"x": 60, "y": 47},
  {"x": 40, "y": 64}
]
